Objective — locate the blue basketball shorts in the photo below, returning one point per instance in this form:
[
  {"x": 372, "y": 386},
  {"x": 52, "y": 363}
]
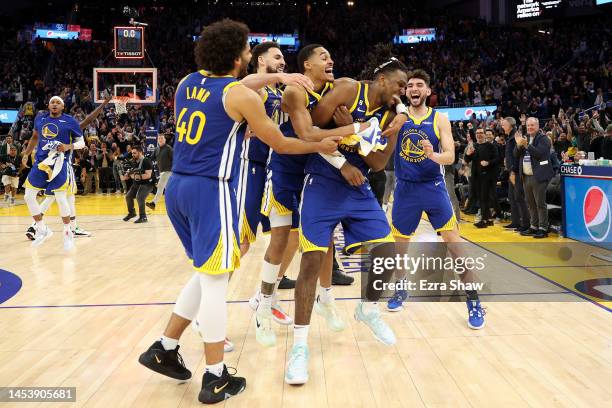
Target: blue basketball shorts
[
  {"x": 327, "y": 203},
  {"x": 411, "y": 199},
  {"x": 204, "y": 214}
]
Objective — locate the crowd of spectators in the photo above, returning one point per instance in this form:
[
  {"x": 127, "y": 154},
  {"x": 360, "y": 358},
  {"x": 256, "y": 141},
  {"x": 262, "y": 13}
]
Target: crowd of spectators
[{"x": 556, "y": 75}]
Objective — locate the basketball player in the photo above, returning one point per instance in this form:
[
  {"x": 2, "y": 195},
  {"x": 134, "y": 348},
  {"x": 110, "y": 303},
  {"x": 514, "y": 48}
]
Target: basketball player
[
  {"x": 424, "y": 146},
  {"x": 285, "y": 183},
  {"x": 55, "y": 134},
  {"x": 267, "y": 58},
  {"x": 189, "y": 298},
  {"x": 211, "y": 108},
  {"x": 328, "y": 199},
  {"x": 72, "y": 190}
]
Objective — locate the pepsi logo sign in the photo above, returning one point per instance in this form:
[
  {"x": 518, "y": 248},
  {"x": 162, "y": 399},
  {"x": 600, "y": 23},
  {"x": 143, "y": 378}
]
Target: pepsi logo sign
[{"x": 596, "y": 214}]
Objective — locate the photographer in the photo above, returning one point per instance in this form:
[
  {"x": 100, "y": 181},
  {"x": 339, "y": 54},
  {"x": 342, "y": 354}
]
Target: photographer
[
  {"x": 9, "y": 166},
  {"x": 142, "y": 185}
]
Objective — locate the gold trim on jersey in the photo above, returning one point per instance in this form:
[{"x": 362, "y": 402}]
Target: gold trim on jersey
[
  {"x": 27, "y": 184},
  {"x": 246, "y": 232},
  {"x": 397, "y": 233},
  {"x": 435, "y": 126},
  {"x": 450, "y": 225},
  {"x": 45, "y": 169},
  {"x": 65, "y": 187},
  {"x": 354, "y": 106},
  {"x": 367, "y": 102},
  {"x": 269, "y": 202},
  {"x": 307, "y": 246},
  {"x": 230, "y": 85},
  {"x": 208, "y": 74},
  {"x": 421, "y": 119},
  {"x": 353, "y": 247},
  {"x": 212, "y": 266},
  {"x": 383, "y": 120}
]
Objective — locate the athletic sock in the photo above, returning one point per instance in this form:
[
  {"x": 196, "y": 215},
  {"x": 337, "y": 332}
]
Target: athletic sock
[
  {"x": 216, "y": 369},
  {"x": 168, "y": 343},
  {"x": 40, "y": 224},
  {"x": 66, "y": 227},
  {"x": 73, "y": 223},
  {"x": 278, "y": 281},
  {"x": 300, "y": 334},
  {"x": 325, "y": 295}
]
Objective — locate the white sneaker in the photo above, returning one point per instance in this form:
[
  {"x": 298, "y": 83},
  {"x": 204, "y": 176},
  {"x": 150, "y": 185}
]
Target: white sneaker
[
  {"x": 382, "y": 332},
  {"x": 278, "y": 314},
  {"x": 68, "y": 240},
  {"x": 42, "y": 234},
  {"x": 296, "y": 371},
  {"x": 80, "y": 232},
  {"x": 330, "y": 313},
  {"x": 264, "y": 334}
]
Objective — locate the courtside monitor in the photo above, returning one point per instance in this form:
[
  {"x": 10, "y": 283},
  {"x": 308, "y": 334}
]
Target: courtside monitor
[{"x": 129, "y": 42}]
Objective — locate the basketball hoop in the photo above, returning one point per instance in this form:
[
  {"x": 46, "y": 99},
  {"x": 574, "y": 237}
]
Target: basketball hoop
[{"x": 121, "y": 104}]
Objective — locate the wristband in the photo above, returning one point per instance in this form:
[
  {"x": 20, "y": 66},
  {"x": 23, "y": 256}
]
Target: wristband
[
  {"x": 401, "y": 108},
  {"x": 356, "y": 127},
  {"x": 336, "y": 161}
]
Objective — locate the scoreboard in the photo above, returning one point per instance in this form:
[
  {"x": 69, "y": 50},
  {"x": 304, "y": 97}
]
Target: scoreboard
[{"x": 129, "y": 42}]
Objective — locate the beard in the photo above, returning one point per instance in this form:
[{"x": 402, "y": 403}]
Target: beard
[{"x": 271, "y": 70}]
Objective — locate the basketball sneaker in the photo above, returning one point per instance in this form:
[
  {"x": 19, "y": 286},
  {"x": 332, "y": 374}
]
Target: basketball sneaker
[
  {"x": 228, "y": 346},
  {"x": 476, "y": 314},
  {"x": 382, "y": 332},
  {"x": 165, "y": 362},
  {"x": 80, "y": 232},
  {"x": 278, "y": 314},
  {"x": 296, "y": 371},
  {"x": 68, "y": 239},
  {"x": 41, "y": 235},
  {"x": 264, "y": 334},
  {"x": 330, "y": 313},
  {"x": 31, "y": 231},
  {"x": 216, "y": 389},
  {"x": 395, "y": 302}
]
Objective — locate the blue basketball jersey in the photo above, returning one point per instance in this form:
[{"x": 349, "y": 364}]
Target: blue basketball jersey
[
  {"x": 207, "y": 140},
  {"x": 253, "y": 148},
  {"x": 295, "y": 163},
  {"x": 411, "y": 164},
  {"x": 63, "y": 129},
  {"x": 361, "y": 112}
]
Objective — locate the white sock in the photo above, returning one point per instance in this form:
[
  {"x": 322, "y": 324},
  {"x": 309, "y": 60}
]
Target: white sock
[
  {"x": 40, "y": 224},
  {"x": 73, "y": 223},
  {"x": 300, "y": 334},
  {"x": 66, "y": 227},
  {"x": 216, "y": 369},
  {"x": 325, "y": 295},
  {"x": 269, "y": 273},
  {"x": 168, "y": 343}
]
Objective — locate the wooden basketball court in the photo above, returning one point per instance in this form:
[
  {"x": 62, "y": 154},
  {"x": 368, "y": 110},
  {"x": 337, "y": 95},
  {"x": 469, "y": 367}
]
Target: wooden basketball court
[{"x": 82, "y": 318}]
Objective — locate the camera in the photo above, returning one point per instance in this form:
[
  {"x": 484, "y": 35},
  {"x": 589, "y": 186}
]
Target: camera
[{"x": 129, "y": 166}]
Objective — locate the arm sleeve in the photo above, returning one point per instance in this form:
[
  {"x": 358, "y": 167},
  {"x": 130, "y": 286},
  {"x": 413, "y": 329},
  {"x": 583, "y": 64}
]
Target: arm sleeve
[{"x": 78, "y": 144}]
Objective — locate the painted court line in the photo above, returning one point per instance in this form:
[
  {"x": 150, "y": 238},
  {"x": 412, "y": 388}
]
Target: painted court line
[{"x": 246, "y": 301}]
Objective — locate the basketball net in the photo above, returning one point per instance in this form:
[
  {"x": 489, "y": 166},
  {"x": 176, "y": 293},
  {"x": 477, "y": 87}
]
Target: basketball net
[{"x": 121, "y": 104}]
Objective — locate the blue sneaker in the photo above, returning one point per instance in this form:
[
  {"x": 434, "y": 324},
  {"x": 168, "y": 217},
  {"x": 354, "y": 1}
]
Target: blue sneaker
[
  {"x": 476, "y": 320},
  {"x": 297, "y": 368},
  {"x": 395, "y": 302}
]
